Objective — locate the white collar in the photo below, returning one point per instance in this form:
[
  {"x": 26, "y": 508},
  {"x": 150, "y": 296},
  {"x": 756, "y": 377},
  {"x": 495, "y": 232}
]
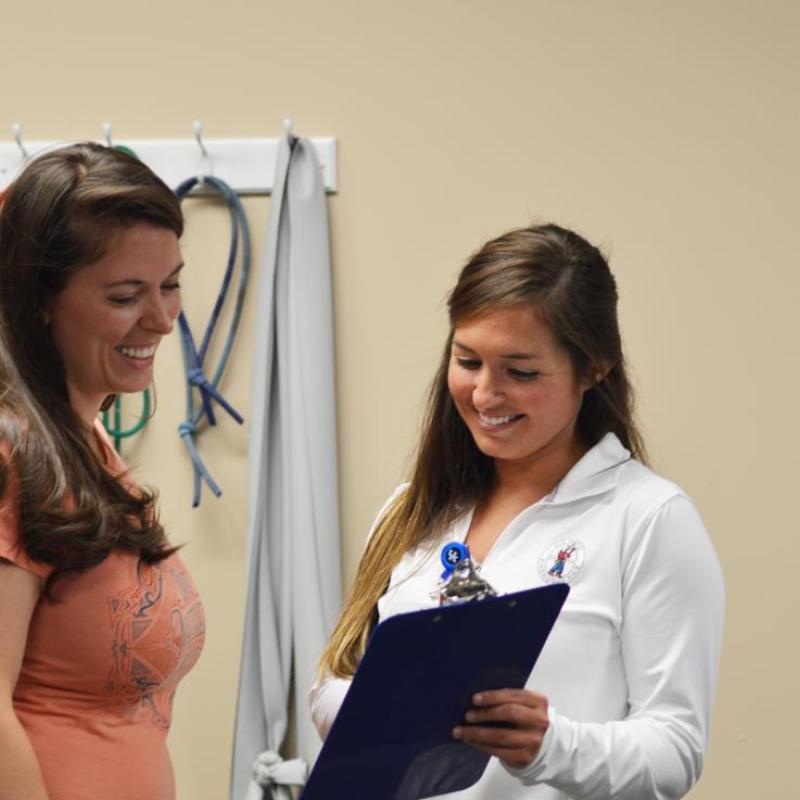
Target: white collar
[{"x": 593, "y": 474}]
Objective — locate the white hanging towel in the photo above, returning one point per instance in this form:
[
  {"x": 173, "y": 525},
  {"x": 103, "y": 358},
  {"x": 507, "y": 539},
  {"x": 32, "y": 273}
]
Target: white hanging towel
[{"x": 294, "y": 575}]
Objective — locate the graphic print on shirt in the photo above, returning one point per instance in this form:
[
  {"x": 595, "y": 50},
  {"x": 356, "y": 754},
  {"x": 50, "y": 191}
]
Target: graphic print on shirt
[
  {"x": 562, "y": 561},
  {"x": 158, "y": 629}
]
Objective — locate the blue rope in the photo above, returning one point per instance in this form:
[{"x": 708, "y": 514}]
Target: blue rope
[{"x": 194, "y": 358}]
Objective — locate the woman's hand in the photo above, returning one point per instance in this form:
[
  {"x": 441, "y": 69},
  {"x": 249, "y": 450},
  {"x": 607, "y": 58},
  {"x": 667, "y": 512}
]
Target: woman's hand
[{"x": 518, "y": 740}]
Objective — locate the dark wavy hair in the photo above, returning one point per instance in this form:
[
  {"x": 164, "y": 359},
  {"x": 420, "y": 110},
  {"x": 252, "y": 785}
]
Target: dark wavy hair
[
  {"x": 58, "y": 216},
  {"x": 567, "y": 281}
]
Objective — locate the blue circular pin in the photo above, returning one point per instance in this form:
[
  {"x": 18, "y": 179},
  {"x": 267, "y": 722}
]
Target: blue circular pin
[{"x": 452, "y": 554}]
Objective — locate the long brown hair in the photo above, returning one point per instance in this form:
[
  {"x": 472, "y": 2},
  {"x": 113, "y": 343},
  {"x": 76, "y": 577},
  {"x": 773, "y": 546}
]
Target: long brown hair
[
  {"x": 568, "y": 281},
  {"x": 58, "y": 216}
]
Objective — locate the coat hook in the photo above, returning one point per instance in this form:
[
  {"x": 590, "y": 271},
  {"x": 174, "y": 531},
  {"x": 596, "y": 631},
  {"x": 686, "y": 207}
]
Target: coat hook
[
  {"x": 107, "y": 134},
  {"x": 16, "y": 130},
  {"x": 205, "y": 157},
  {"x": 197, "y": 127}
]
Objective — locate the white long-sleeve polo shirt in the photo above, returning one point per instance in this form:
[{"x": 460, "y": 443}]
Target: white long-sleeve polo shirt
[{"x": 630, "y": 666}]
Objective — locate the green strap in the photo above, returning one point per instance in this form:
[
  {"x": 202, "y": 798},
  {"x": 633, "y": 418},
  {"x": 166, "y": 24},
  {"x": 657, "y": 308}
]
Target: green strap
[{"x": 117, "y": 432}]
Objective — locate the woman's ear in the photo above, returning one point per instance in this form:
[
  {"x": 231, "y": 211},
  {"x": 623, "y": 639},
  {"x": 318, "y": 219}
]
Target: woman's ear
[{"x": 596, "y": 374}]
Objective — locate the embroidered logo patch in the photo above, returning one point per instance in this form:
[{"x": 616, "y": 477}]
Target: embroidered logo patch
[{"x": 562, "y": 561}]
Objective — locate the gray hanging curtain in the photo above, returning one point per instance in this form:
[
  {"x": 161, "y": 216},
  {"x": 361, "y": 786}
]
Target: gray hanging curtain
[{"x": 294, "y": 576}]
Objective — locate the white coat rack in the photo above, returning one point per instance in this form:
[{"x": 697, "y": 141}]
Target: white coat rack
[{"x": 246, "y": 165}]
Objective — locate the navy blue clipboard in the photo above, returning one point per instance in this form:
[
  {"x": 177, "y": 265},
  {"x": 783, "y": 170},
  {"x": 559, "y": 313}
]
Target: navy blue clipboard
[{"x": 392, "y": 737}]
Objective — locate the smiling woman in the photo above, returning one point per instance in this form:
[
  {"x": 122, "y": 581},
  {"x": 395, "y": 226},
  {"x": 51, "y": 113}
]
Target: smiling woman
[
  {"x": 530, "y": 456},
  {"x": 99, "y": 619}
]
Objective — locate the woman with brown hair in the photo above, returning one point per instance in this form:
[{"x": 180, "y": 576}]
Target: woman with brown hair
[
  {"x": 530, "y": 456},
  {"x": 99, "y": 619}
]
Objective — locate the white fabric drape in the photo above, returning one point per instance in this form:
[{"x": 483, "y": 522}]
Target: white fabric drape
[{"x": 294, "y": 577}]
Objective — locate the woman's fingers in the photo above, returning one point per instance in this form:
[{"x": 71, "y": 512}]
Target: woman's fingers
[
  {"x": 523, "y": 697},
  {"x": 518, "y": 715},
  {"x": 517, "y": 748},
  {"x": 492, "y": 737},
  {"x": 517, "y": 741}
]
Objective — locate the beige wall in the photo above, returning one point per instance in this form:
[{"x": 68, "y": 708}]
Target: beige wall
[{"x": 667, "y": 131}]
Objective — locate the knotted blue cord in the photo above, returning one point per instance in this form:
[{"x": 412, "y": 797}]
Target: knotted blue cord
[{"x": 194, "y": 358}]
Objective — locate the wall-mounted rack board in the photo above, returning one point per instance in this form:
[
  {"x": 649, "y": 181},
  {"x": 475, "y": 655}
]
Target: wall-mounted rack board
[{"x": 247, "y": 165}]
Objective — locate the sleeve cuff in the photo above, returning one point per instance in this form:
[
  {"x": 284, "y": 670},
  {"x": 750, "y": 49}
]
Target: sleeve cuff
[
  {"x": 531, "y": 773},
  {"x": 18, "y": 557}
]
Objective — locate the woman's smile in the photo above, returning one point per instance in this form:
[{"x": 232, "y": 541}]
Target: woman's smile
[
  {"x": 137, "y": 357},
  {"x": 495, "y": 423}
]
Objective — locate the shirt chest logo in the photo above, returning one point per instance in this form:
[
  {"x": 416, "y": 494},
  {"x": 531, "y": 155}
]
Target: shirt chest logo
[{"x": 562, "y": 561}]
